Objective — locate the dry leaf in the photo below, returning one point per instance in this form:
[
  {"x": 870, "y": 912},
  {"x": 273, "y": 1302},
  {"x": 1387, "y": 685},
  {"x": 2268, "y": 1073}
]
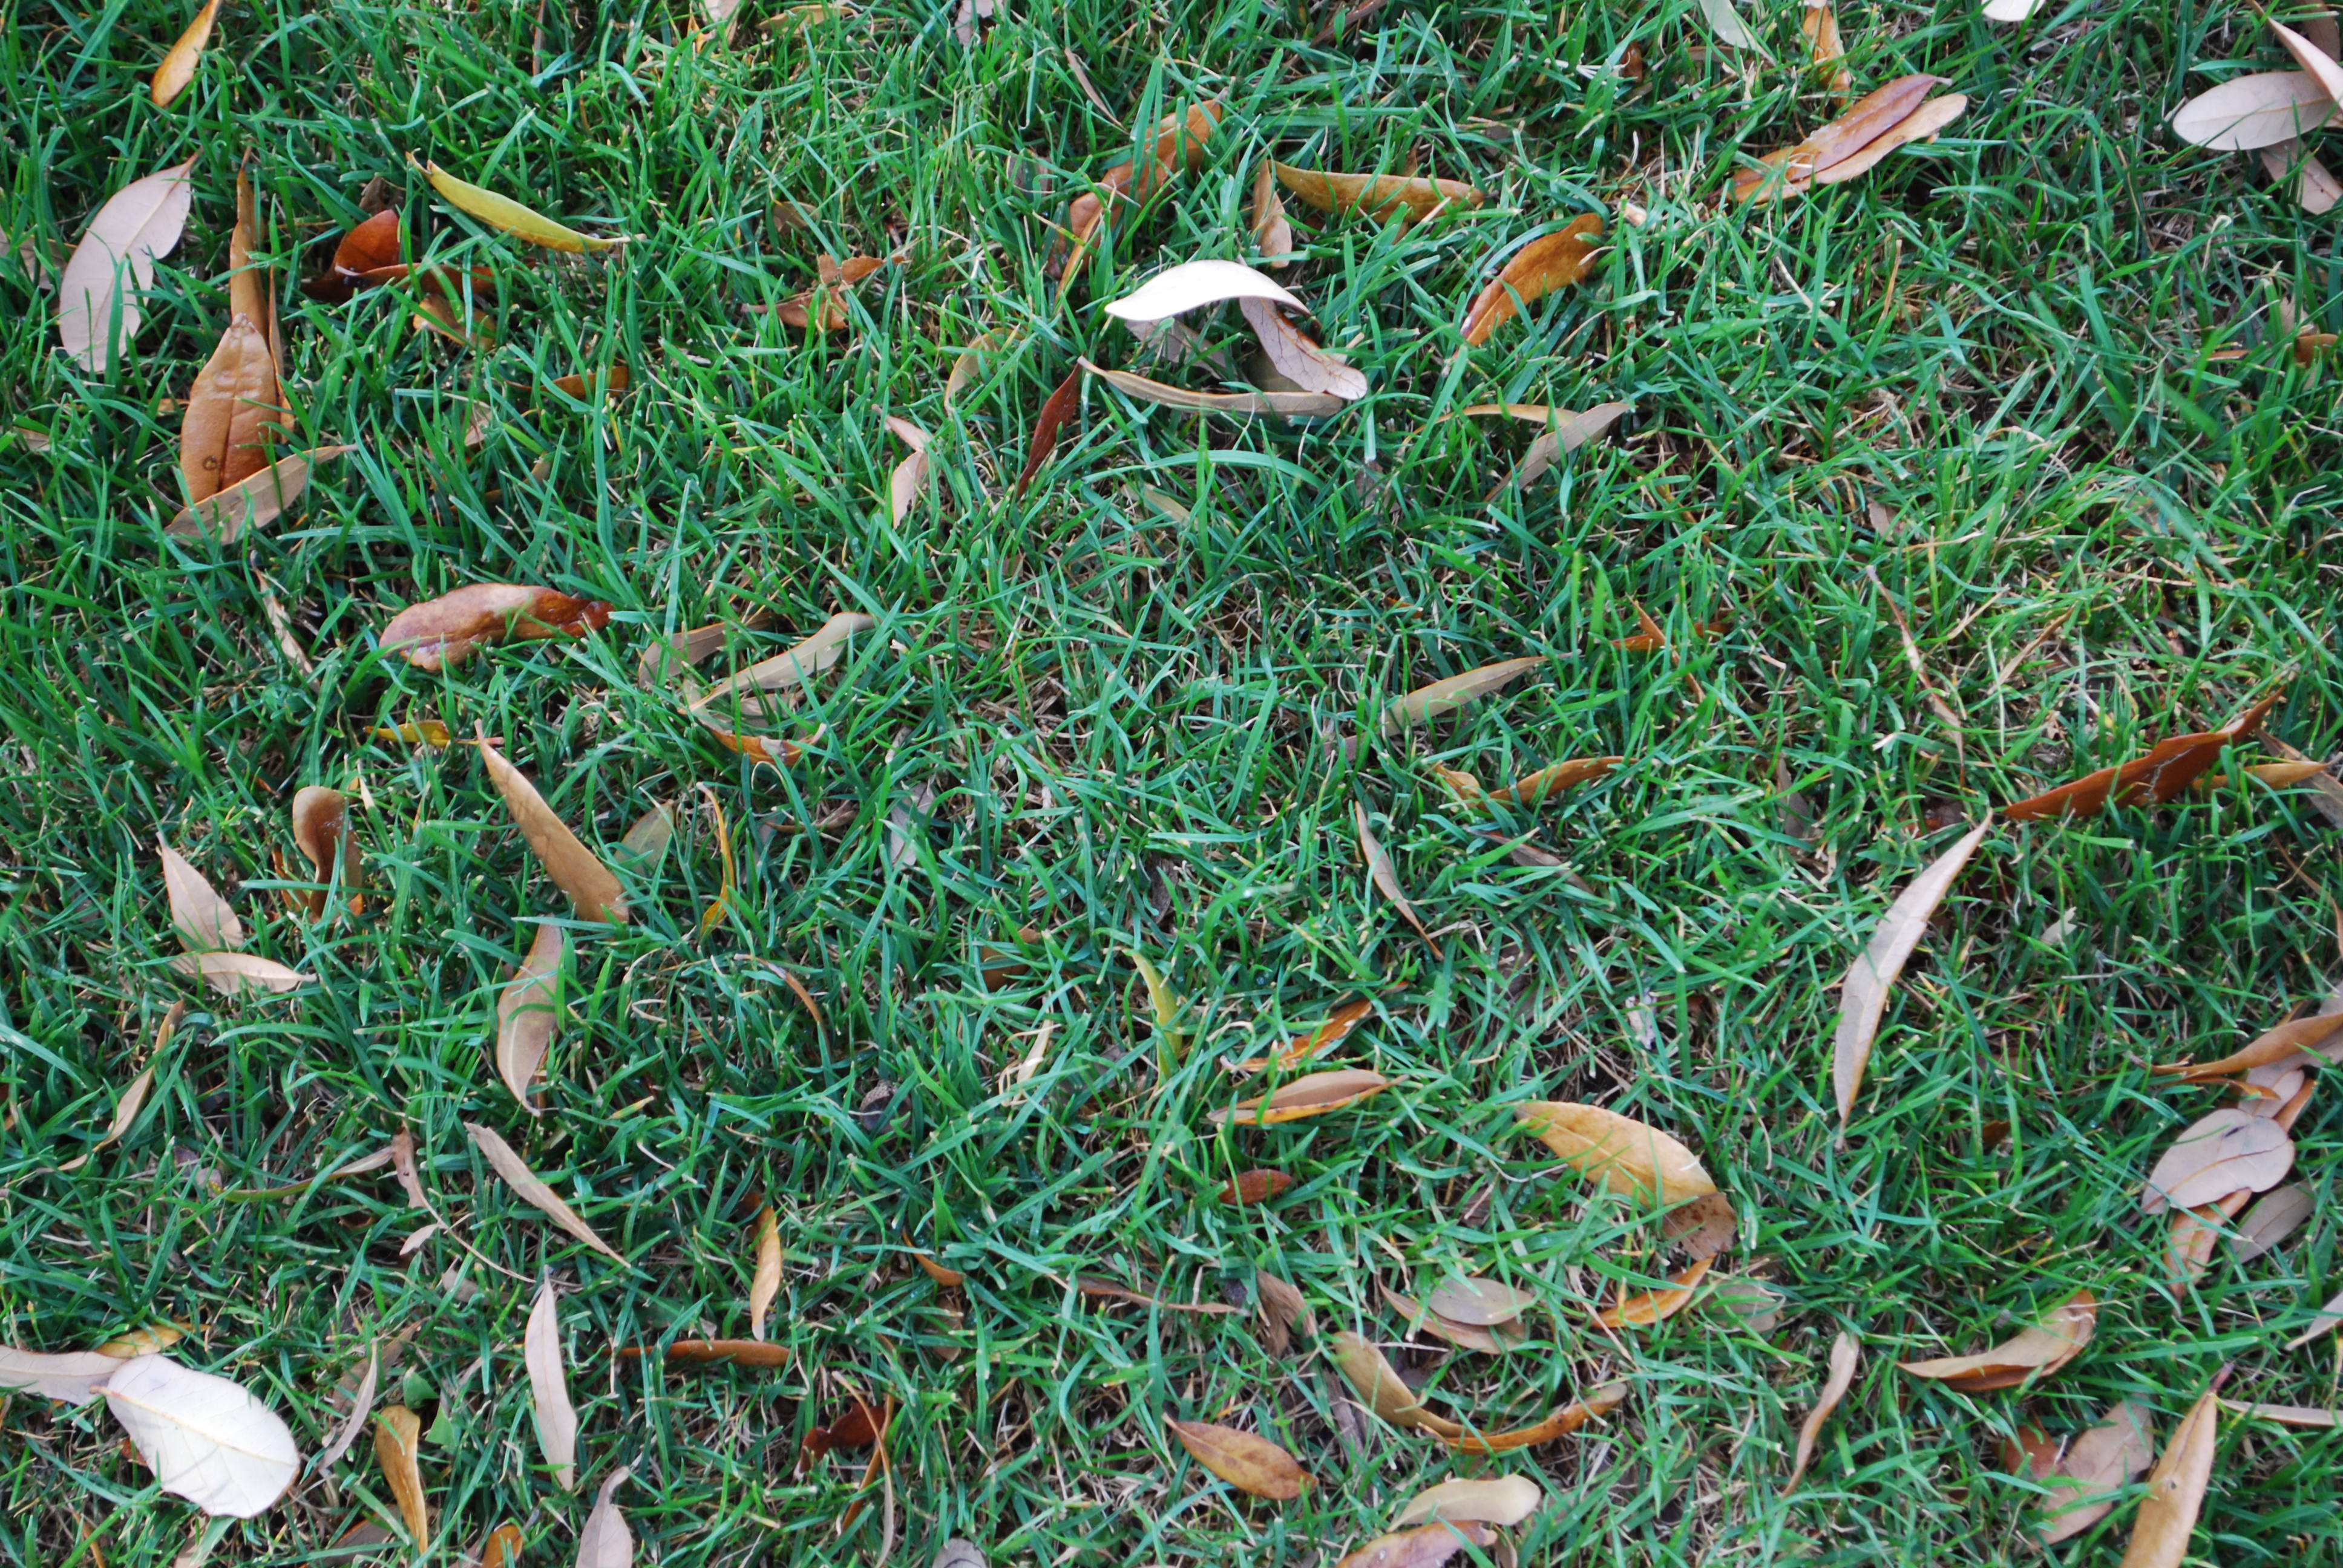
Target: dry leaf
[
  {"x": 1099, "y": 1289},
  {"x": 1059, "y": 407},
  {"x": 369, "y": 255},
  {"x": 1378, "y": 196},
  {"x": 1503, "y": 1501},
  {"x": 548, "y": 1389},
  {"x": 972, "y": 360},
  {"x": 790, "y": 673},
  {"x": 829, "y": 296},
  {"x": 1462, "y": 1335},
  {"x": 1867, "y": 120},
  {"x": 76, "y": 1377},
  {"x": 605, "y": 1541},
  {"x": 593, "y": 891},
  {"x": 1863, "y": 999},
  {"x": 1573, "y": 432},
  {"x": 715, "y": 1352},
  {"x": 2082, "y": 1485},
  {"x": 251, "y": 289},
  {"x": 1254, "y": 1187},
  {"x": 1192, "y": 286},
  {"x": 1820, "y": 25},
  {"x": 2175, "y": 1488},
  {"x": 2327, "y": 790},
  {"x": 398, "y": 1434},
  {"x": 1654, "y": 1307},
  {"x": 502, "y": 1548},
  {"x": 1845, "y": 1352},
  {"x": 1426, "y": 1546},
  {"x": 402, "y": 1162},
  {"x": 2035, "y": 1354},
  {"x": 230, "y": 411},
  {"x": 2189, "y": 1250},
  {"x": 1545, "y": 782},
  {"x": 233, "y": 974},
  {"x": 958, "y": 1553},
  {"x": 321, "y": 827},
  {"x": 2316, "y": 189},
  {"x": 250, "y": 503},
  {"x": 503, "y": 213},
  {"x": 1596, "y": 1401},
  {"x": 1364, "y": 1368},
  {"x": 593, "y": 388},
  {"x": 1297, "y": 358},
  {"x": 1634, "y": 1161},
  {"x": 525, "y": 1183},
  {"x": 1272, "y": 234},
  {"x": 443, "y": 632},
  {"x": 1282, "y": 1308},
  {"x": 1293, "y": 405},
  {"x": 152, "y": 1340},
  {"x": 126, "y": 1109},
  {"x": 1480, "y": 1301},
  {"x": 2167, "y": 770},
  {"x": 2282, "y": 1211},
  {"x": 1426, "y": 703},
  {"x": 2223, "y": 1153},
  {"x": 1387, "y": 880},
  {"x": 948, "y": 1279},
  {"x": 2289, "y": 1040},
  {"x": 526, "y": 1014},
  {"x": 429, "y": 732},
  {"x": 179, "y": 66},
  {"x": 1537, "y": 269},
  {"x": 2257, "y": 111},
  {"x": 361, "y": 1406},
  {"x": 1922, "y": 125},
  {"x": 138, "y": 223},
  {"x": 908, "y": 482},
  {"x": 2285, "y": 1414},
  {"x": 1246, "y": 1462},
  {"x": 206, "y": 1438},
  {"x": 1315, "y": 1094},
  {"x": 1702, "y": 1228},
  {"x": 206, "y": 922},
  {"x": 767, "y": 1281},
  {"x": 1308, "y": 1048}
]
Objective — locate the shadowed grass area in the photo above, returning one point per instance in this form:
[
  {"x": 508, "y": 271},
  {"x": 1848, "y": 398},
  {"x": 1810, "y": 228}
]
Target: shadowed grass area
[{"x": 2049, "y": 346}]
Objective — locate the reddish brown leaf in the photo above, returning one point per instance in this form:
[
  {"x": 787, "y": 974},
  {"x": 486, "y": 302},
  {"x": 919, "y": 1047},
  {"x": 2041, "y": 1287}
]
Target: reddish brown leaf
[
  {"x": 2157, "y": 777},
  {"x": 1099, "y": 1289},
  {"x": 1314, "y": 1095},
  {"x": 231, "y": 411},
  {"x": 1537, "y": 270},
  {"x": 1307, "y": 1048},
  {"x": 1244, "y": 1460},
  {"x": 1595, "y": 1401},
  {"x": 1054, "y": 414},
  {"x": 702, "y": 1352},
  {"x": 1254, "y": 1187},
  {"x": 1426, "y": 1546},
  {"x": 442, "y": 632},
  {"x": 1652, "y": 1307}
]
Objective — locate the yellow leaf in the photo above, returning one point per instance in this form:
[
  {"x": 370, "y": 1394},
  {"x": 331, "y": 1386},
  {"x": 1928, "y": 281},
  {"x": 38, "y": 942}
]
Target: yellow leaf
[
  {"x": 504, "y": 213},
  {"x": 179, "y": 66}
]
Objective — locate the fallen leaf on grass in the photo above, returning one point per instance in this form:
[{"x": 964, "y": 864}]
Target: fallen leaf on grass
[
  {"x": 398, "y": 1434},
  {"x": 1315, "y": 1094},
  {"x": 1193, "y": 284},
  {"x": 1377, "y": 195},
  {"x": 204, "y": 921},
  {"x": 1479, "y": 1302},
  {"x": 1503, "y": 1501},
  {"x": 1307, "y": 1048},
  {"x": 1426, "y": 1546},
  {"x": 947, "y": 1279},
  {"x": 443, "y": 632},
  {"x": 504, "y": 213},
  {"x": 1846, "y": 1350},
  {"x": 138, "y": 223},
  {"x": 1596, "y": 1401},
  {"x": 426, "y": 732},
  {"x": 714, "y": 1352},
  {"x": 2083, "y": 1485},
  {"x": 1426, "y": 703},
  {"x": 1462, "y": 1335},
  {"x": 908, "y": 481},
  {"x": 593, "y": 891},
  {"x": 829, "y": 296},
  {"x": 1537, "y": 270},
  {"x": 230, "y": 410},
  {"x": 533, "y": 1191},
  {"x": 76, "y": 1377},
  {"x": 2175, "y": 1488},
  {"x": 233, "y": 974},
  {"x": 1179, "y": 142},
  {"x": 2223, "y": 1153},
  {"x": 361, "y": 1406},
  {"x": 1272, "y": 234},
  {"x": 206, "y": 1438},
  {"x": 591, "y": 389},
  {"x": 2035, "y": 1354},
  {"x": 1650, "y": 1308},
  {"x": 605, "y": 1541},
  {"x": 1294, "y": 405},
  {"x": 2289, "y": 1039},
  {"x": 1571, "y": 432},
  {"x": 2189, "y": 1250},
  {"x": 1863, "y": 999},
  {"x": 1533, "y": 789},
  {"x": 502, "y": 1548},
  {"x": 1648, "y": 638},
  {"x": 179, "y": 66},
  {"x": 2327, "y": 790},
  {"x": 366, "y": 256},
  {"x": 526, "y": 1013},
  {"x": 1282, "y": 1308},
  {"x": 1820, "y": 25},
  {"x": 790, "y": 673},
  {"x": 2261, "y": 110},
  {"x": 134, "y": 1099},
  {"x": 766, "y": 1284},
  {"x": 1387, "y": 880},
  {"x": 1702, "y": 1228},
  {"x": 2315, "y": 187},
  {"x": 1245, "y": 1461},
  {"x": 1634, "y": 1161},
  {"x": 1297, "y": 358},
  {"x": 321, "y": 829},
  {"x": 1364, "y": 1369},
  {"x": 1099, "y": 1289},
  {"x": 1253, "y": 1187},
  {"x": 2301, "y": 1415},
  {"x": 856, "y": 1429},
  {"x": 548, "y": 1388},
  {"x": 2282, "y": 1211},
  {"x": 250, "y": 503},
  {"x": 2167, "y": 770},
  {"x": 1873, "y": 126}
]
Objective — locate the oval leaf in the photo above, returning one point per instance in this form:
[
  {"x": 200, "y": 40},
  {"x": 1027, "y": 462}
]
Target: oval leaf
[
  {"x": 1314, "y": 1095},
  {"x": 1246, "y": 1462},
  {"x": 1629, "y": 1158},
  {"x": 206, "y": 1438},
  {"x": 767, "y": 1281},
  {"x": 179, "y": 66},
  {"x": 141, "y": 221},
  {"x": 504, "y": 213},
  {"x": 2039, "y": 1350},
  {"x": 2175, "y": 1490},
  {"x": 2226, "y": 1151},
  {"x": 440, "y": 633},
  {"x": 526, "y": 1014},
  {"x": 233, "y": 974},
  {"x": 1426, "y": 1546},
  {"x": 233, "y": 403},
  {"x": 1196, "y": 283},
  {"x": 1537, "y": 270},
  {"x": 605, "y": 1541},
  {"x": 593, "y": 891},
  {"x": 2255, "y": 111},
  {"x": 1480, "y": 1301},
  {"x": 2084, "y": 1482},
  {"x": 1377, "y": 195},
  {"x": 1503, "y": 1501},
  {"x": 206, "y": 922}
]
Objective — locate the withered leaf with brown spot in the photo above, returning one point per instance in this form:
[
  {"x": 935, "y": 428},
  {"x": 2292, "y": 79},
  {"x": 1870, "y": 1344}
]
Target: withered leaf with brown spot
[
  {"x": 441, "y": 633},
  {"x": 1245, "y": 1460}
]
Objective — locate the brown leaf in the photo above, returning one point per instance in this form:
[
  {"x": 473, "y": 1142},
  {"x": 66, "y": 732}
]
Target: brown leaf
[
  {"x": 823, "y": 306},
  {"x": 321, "y": 827},
  {"x": 1272, "y": 235},
  {"x": 2171, "y": 767},
  {"x": 2194, "y": 1234},
  {"x": 397, "y": 1434},
  {"x": 1922, "y": 125},
  {"x": 1098, "y": 1290},
  {"x": 1378, "y": 196},
  {"x": 138, "y": 223},
  {"x": 205, "y": 922},
  {"x": 1846, "y": 1350},
  {"x": 1820, "y": 25},
  {"x": 604, "y": 1541},
  {"x": 2284, "y": 1415},
  {"x": 1533, "y": 789},
  {"x": 593, "y": 891},
  {"x": 1246, "y": 1462},
  {"x": 502, "y": 1548},
  {"x": 548, "y": 1386},
  {"x": 1315, "y": 1094},
  {"x": 1060, "y": 409},
  {"x": 856, "y": 1428},
  {"x": 230, "y": 413},
  {"x": 2327, "y": 791},
  {"x": 1462, "y": 1335},
  {"x": 1596, "y": 1401},
  {"x": 1503, "y": 1501},
  {"x": 2218, "y": 1154},
  {"x": 2175, "y": 1488},
  {"x": 595, "y": 387},
  {"x": 1297, "y": 358},
  {"x": 2282, "y": 1211},
  {"x": 443, "y": 632},
  {"x": 533, "y": 1191},
  {"x": 1537, "y": 270},
  {"x": 1426, "y": 703},
  {"x": 1387, "y": 880},
  {"x": 262, "y": 497},
  {"x": 2035, "y": 1354},
  {"x": 179, "y": 66},
  {"x": 1867, "y": 120},
  {"x": 126, "y": 1109},
  {"x": 1364, "y": 1369},
  {"x": 2083, "y": 1482},
  {"x": 233, "y": 974},
  {"x": 1650, "y": 1308},
  {"x": 1254, "y": 1187},
  {"x": 526, "y": 1014},
  {"x": 1426, "y": 1546},
  {"x": 1180, "y": 141},
  {"x": 1282, "y": 1308},
  {"x": 1648, "y": 638},
  {"x": 790, "y": 673},
  {"x": 766, "y": 1283},
  {"x": 1479, "y": 1302},
  {"x": 2275, "y": 1045},
  {"x": 948, "y": 1279},
  {"x": 1294, "y": 405},
  {"x": 910, "y": 479},
  {"x": 1636, "y": 1161},
  {"x": 705, "y": 1352},
  {"x": 366, "y": 257},
  {"x": 1308, "y": 1048},
  {"x": 1863, "y": 999},
  {"x": 402, "y": 1162},
  {"x": 429, "y": 732},
  {"x": 1702, "y": 1228}
]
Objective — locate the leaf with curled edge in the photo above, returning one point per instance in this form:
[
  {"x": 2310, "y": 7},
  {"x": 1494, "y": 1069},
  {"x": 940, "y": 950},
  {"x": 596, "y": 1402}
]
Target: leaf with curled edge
[
  {"x": 501, "y": 212},
  {"x": 1273, "y": 234},
  {"x": 179, "y": 66},
  {"x": 441, "y": 633},
  {"x": 250, "y": 503},
  {"x": 789, "y": 674},
  {"x": 1647, "y": 1309},
  {"x": 74, "y": 1377},
  {"x": 1426, "y": 703},
  {"x": 1503, "y": 1501},
  {"x": 1426, "y": 1546},
  {"x": 2082, "y": 1483},
  {"x": 765, "y": 1282},
  {"x": 1846, "y": 1350},
  {"x": 138, "y": 224},
  {"x": 397, "y": 1435},
  {"x": 321, "y": 827},
  {"x": 1307, "y": 1048},
  {"x": 2034, "y": 1353},
  {"x": 1293, "y": 405},
  {"x": 2289, "y": 1039},
  {"x": 2175, "y": 1488},
  {"x": 2225, "y": 1151},
  {"x": 908, "y": 481},
  {"x": 1364, "y": 1369},
  {"x": 1462, "y": 1335},
  {"x": 1192, "y": 286},
  {"x": 1865, "y": 121}
]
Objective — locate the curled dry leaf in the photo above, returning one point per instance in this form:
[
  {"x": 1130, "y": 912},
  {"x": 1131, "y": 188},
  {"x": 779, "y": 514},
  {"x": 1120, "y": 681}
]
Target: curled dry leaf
[
  {"x": 206, "y": 1438},
  {"x": 233, "y": 974},
  {"x": 1426, "y": 703},
  {"x": 1537, "y": 270},
  {"x": 1364, "y": 1369},
  {"x": 443, "y": 632},
  {"x": 250, "y": 503},
  {"x": 1282, "y": 1309},
  {"x": 1253, "y": 1187},
  {"x": 1846, "y": 1350},
  {"x": 1379, "y": 196},
  {"x": 526, "y": 1184},
  {"x": 76, "y": 1377},
  {"x": 1308, "y": 1048},
  {"x": 1098, "y": 1290},
  {"x": 1863, "y": 999},
  {"x": 2257, "y": 111},
  {"x": 1297, "y": 358},
  {"x": 1634, "y": 1161},
  {"x": 2287, "y": 1040},
  {"x": 1462, "y": 1335},
  {"x": 321, "y": 827},
  {"x": 1315, "y": 1094},
  {"x": 231, "y": 410},
  {"x": 593, "y": 891},
  {"x": 1179, "y": 142},
  {"x": 1820, "y": 25},
  {"x": 369, "y": 255},
  {"x": 1649, "y": 1308},
  {"x": 714, "y": 1352},
  {"x": 1060, "y": 409},
  {"x": 502, "y": 1548},
  {"x": 1426, "y": 1546},
  {"x": 910, "y": 479},
  {"x": 1245, "y": 1461},
  {"x": 1272, "y": 234},
  {"x": 526, "y": 1014},
  {"x": 1387, "y": 879},
  {"x": 2195, "y": 1232},
  {"x": 766, "y": 1284},
  {"x": 1479, "y": 1302},
  {"x": 548, "y": 1387},
  {"x": 206, "y": 923},
  {"x": 2082, "y": 1485},
  {"x": 1293, "y": 405},
  {"x": 2223, "y": 1153},
  {"x": 2035, "y": 1354},
  {"x": 2175, "y": 1488},
  {"x": 179, "y": 66},
  {"x": 504, "y": 213},
  {"x": 1596, "y": 1401},
  {"x": 397, "y": 1435},
  {"x": 605, "y": 1541},
  {"x": 1545, "y": 782},
  {"x": 823, "y": 306},
  {"x": 2282, "y": 1211},
  {"x": 138, "y": 223},
  {"x": 1503, "y": 1501},
  {"x": 2171, "y": 767}
]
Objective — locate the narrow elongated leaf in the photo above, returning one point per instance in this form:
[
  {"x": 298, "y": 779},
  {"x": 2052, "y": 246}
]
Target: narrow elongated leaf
[
  {"x": 1846, "y": 1352},
  {"x": 1596, "y": 1401},
  {"x": 1282, "y": 1308},
  {"x": 2257, "y": 111},
  {"x": 206, "y": 1438},
  {"x": 792, "y": 673},
  {"x": 179, "y": 66},
  {"x": 1298, "y": 358},
  {"x": 2174, "y": 764},
  {"x": 715, "y": 1352},
  {"x": 2303, "y": 1415},
  {"x": 2225, "y": 1152},
  {"x": 504, "y": 213},
  {"x": 2288, "y": 1040},
  {"x": 1545, "y": 782},
  {"x": 1249, "y": 1187},
  {"x": 1820, "y": 25},
  {"x": 1364, "y": 1369},
  {"x": 593, "y": 891},
  {"x": 1425, "y": 1546},
  {"x": 1537, "y": 270},
  {"x": 1308, "y": 1048},
  {"x": 2327, "y": 790},
  {"x": 1462, "y": 1335},
  {"x": 361, "y": 1407},
  {"x": 1573, "y": 432},
  {"x": 1244, "y": 1460},
  {"x": 1379, "y": 196},
  {"x": 1503, "y": 1501},
  {"x": 76, "y": 1377},
  {"x": 1921, "y": 126},
  {"x": 1863, "y": 999},
  {"x": 443, "y": 632},
  {"x": 2329, "y": 1316},
  {"x": 766, "y": 1284},
  {"x": 548, "y": 1387},
  {"x": 533, "y": 1191},
  {"x": 138, "y": 223},
  {"x": 2084, "y": 1481},
  {"x": 1867, "y": 120},
  {"x": 1649, "y": 1308},
  {"x": 1060, "y": 409},
  {"x": 908, "y": 481},
  {"x": 1385, "y": 878},
  {"x": 398, "y": 1437},
  {"x": 321, "y": 827},
  {"x": 527, "y": 1015},
  {"x": 206, "y": 922},
  {"x": 250, "y": 503},
  {"x": 231, "y": 408},
  {"x": 1426, "y": 703},
  {"x": 1272, "y": 235},
  {"x": 1314, "y": 1095},
  {"x": 1634, "y": 1161},
  {"x": 2175, "y": 1490},
  {"x": 605, "y": 1541},
  {"x": 1098, "y": 1290},
  {"x": 2035, "y": 1354},
  {"x": 1293, "y": 405},
  {"x": 233, "y": 974},
  {"x": 1192, "y": 286},
  {"x": 251, "y": 288},
  {"x": 134, "y": 1098}
]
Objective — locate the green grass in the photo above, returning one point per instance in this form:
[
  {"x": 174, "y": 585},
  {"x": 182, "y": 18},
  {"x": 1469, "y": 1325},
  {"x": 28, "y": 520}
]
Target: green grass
[{"x": 1124, "y": 731}]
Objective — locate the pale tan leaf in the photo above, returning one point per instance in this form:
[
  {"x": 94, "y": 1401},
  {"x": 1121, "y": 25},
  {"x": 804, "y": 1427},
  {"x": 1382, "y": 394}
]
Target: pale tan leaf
[
  {"x": 1193, "y": 284},
  {"x": 1425, "y": 1546},
  {"x": 2329, "y": 1316},
  {"x": 504, "y": 213},
  {"x": 230, "y": 411},
  {"x": 398, "y": 1437},
  {"x": 361, "y": 1406},
  {"x": 2175, "y": 1490},
  {"x": 2270, "y": 1047},
  {"x": 1633, "y": 1159},
  {"x": 1244, "y": 1460},
  {"x": 1462, "y": 1335},
  {"x": 2195, "y": 1232},
  {"x": 972, "y": 360},
  {"x": 1426, "y": 703},
  {"x": 1703, "y": 1227},
  {"x": 1297, "y": 358},
  {"x": 1378, "y": 196},
  {"x": 1293, "y": 405},
  {"x": 1551, "y": 262},
  {"x": 908, "y": 482},
  {"x": 179, "y": 66},
  {"x": 2035, "y": 1354},
  {"x": 593, "y": 891},
  {"x": 402, "y": 1162},
  {"x": 250, "y": 503},
  {"x": 138, "y": 223},
  {"x": 2317, "y": 190},
  {"x": 440, "y": 633},
  {"x": 2257, "y": 111},
  {"x": 1846, "y": 1350},
  {"x": 1364, "y": 1369},
  {"x": 1863, "y": 999},
  {"x": 766, "y": 1283},
  {"x": 1573, "y": 432},
  {"x": 2302, "y": 1416},
  {"x": 206, "y": 922},
  {"x": 153, "y": 1340},
  {"x": 1479, "y": 1302},
  {"x": 527, "y": 1015},
  {"x": 790, "y": 673},
  {"x": 2282, "y": 1211},
  {"x": 125, "y": 1109},
  {"x": 1272, "y": 235},
  {"x": 76, "y": 1377},
  {"x": 2223, "y": 1153},
  {"x": 1503, "y": 1501},
  {"x": 548, "y": 1387},
  {"x": 2083, "y": 1485},
  {"x": 206, "y": 1438},
  {"x": 233, "y": 974},
  {"x": 1387, "y": 879},
  {"x": 1282, "y": 1309},
  {"x": 1922, "y": 125},
  {"x": 525, "y": 1183}
]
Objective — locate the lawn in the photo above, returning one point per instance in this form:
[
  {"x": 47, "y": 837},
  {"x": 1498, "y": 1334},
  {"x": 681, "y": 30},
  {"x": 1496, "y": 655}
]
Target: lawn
[{"x": 2030, "y": 388}]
